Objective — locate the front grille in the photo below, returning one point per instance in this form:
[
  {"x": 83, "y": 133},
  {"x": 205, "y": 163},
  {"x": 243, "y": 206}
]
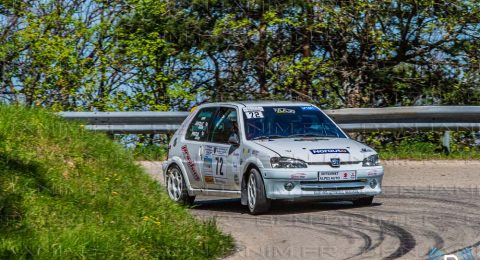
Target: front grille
[
  {"x": 333, "y": 185},
  {"x": 328, "y": 163},
  {"x": 330, "y": 182}
]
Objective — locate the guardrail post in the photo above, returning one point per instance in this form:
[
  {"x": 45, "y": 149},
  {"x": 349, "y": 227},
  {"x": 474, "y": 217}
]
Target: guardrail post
[{"x": 446, "y": 142}]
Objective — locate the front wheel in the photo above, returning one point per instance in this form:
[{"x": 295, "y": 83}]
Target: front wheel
[
  {"x": 362, "y": 202},
  {"x": 176, "y": 187},
  {"x": 256, "y": 196}
]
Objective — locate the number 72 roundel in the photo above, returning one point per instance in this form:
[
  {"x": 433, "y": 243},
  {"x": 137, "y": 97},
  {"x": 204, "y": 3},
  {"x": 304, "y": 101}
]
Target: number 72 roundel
[
  {"x": 253, "y": 112},
  {"x": 214, "y": 163}
]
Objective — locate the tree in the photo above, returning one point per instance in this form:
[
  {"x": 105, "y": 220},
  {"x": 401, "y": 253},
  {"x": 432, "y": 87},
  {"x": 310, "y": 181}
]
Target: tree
[{"x": 164, "y": 55}]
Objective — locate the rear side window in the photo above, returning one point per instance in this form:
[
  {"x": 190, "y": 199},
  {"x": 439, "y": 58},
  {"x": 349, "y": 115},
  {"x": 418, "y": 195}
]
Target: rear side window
[{"x": 198, "y": 128}]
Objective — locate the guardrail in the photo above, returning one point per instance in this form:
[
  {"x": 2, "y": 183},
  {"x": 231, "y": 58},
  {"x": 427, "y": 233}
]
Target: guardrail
[
  {"x": 408, "y": 118},
  {"x": 129, "y": 122},
  {"x": 350, "y": 119}
]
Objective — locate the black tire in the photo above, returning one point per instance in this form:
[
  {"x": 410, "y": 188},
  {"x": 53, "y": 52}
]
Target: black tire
[
  {"x": 362, "y": 202},
  {"x": 257, "y": 200},
  {"x": 176, "y": 187}
]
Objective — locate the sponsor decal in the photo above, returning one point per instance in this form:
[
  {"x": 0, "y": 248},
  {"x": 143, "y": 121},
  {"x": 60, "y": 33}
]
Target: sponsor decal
[
  {"x": 309, "y": 108},
  {"x": 209, "y": 179},
  {"x": 326, "y": 151},
  {"x": 190, "y": 163},
  {"x": 337, "y": 176},
  {"x": 208, "y": 160},
  {"x": 253, "y": 112},
  {"x": 200, "y": 125},
  {"x": 254, "y": 115},
  {"x": 253, "y": 109},
  {"x": 336, "y": 192},
  {"x": 283, "y": 110},
  {"x": 219, "y": 163},
  {"x": 214, "y": 164},
  {"x": 207, "y": 165},
  {"x": 220, "y": 151},
  {"x": 298, "y": 176}
]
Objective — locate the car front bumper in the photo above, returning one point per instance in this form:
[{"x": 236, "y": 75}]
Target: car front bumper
[{"x": 306, "y": 184}]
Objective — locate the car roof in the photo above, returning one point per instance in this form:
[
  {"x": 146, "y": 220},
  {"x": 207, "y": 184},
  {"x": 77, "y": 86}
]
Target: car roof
[{"x": 257, "y": 103}]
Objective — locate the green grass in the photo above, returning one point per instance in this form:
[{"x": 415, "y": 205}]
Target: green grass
[
  {"x": 423, "y": 145},
  {"x": 68, "y": 193},
  {"x": 426, "y": 151},
  {"x": 152, "y": 152}
]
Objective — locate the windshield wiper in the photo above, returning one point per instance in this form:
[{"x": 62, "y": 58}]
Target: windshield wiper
[
  {"x": 267, "y": 137},
  {"x": 312, "y": 135}
]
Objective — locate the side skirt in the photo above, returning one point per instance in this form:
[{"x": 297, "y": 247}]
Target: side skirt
[{"x": 219, "y": 193}]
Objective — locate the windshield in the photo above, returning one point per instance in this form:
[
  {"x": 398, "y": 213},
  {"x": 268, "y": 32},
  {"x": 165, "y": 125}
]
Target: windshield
[{"x": 288, "y": 121}]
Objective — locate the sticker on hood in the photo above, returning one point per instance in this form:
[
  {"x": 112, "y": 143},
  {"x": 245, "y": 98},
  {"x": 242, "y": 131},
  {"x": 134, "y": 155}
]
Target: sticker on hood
[{"x": 325, "y": 151}]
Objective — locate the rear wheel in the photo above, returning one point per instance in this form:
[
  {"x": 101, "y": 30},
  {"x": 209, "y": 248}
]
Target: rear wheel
[
  {"x": 367, "y": 201},
  {"x": 176, "y": 187},
  {"x": 256, "y": 196}
]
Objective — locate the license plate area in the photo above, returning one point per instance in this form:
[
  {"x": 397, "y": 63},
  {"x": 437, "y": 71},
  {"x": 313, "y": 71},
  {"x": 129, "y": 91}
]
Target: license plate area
[{"x": 337, "y": 175}]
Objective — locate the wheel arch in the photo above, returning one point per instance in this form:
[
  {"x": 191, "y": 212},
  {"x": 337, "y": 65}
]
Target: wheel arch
[
  {"x": 178, "y": 162},
  {"x": 243, "y": 183}
]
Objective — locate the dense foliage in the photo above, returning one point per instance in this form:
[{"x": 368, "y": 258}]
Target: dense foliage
[
  {"x": 163, "y": 55},
  {"x": 66, "y": 193}
]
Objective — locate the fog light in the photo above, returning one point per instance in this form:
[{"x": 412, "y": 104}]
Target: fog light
[
  {"x": 289, "y": 186},
  {"x": 373, "y": 183}
]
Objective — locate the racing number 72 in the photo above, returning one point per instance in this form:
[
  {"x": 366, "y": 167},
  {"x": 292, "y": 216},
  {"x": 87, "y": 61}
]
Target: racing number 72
[
  {"x": 219, "y": 167},
  {"x": 253, "y": 114}
]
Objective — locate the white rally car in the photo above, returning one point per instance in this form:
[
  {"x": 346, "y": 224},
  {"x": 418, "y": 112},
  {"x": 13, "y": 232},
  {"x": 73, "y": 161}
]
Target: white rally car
[{"x": 263, "y": 151}]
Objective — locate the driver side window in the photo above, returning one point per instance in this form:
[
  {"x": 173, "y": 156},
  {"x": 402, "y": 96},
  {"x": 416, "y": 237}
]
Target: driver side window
[{"x": 225, "y": 124}]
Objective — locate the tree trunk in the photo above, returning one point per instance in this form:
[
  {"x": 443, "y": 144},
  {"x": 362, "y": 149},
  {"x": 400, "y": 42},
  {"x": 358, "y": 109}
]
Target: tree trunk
[
  {"x": 352, "y": 87},
  {"x": 261, "y": 65},
  {"x": 306, "y": 76}
]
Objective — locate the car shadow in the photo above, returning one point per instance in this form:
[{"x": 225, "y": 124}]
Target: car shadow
[{"x": 278, "y": 207}]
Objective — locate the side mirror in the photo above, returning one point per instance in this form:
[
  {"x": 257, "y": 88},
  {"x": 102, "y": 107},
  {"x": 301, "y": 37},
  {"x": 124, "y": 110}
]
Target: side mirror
[{"x": 234, "y": 140}]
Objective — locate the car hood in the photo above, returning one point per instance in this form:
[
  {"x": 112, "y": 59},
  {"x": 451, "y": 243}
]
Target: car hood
[{"x": 318, "y": 149}]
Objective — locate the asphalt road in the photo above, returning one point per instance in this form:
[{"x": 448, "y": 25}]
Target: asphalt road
[{"x": 425, "y": 205}]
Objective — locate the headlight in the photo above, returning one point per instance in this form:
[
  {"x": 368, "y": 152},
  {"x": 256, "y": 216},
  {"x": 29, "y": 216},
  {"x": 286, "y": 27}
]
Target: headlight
[
  {"x": 284, "y": 162},
  {"x": 371, "y": 160}
]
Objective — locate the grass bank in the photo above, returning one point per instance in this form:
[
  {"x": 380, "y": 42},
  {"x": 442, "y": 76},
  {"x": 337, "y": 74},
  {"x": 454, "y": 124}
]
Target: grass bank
[
  {"x": 68, "y": 193},
  {"x": 423, "y": 145},
  {"x": 426, "y": 151}
]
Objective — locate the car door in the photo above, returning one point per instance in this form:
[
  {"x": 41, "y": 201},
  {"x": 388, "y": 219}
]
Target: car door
[
  {"x": 221, "y": 166},
  {"x": 192, "y": 145}
]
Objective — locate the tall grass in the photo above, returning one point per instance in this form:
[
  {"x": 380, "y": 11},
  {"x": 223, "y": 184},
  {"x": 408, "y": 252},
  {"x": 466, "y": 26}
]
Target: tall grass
[{"x": 68, "y": 193}]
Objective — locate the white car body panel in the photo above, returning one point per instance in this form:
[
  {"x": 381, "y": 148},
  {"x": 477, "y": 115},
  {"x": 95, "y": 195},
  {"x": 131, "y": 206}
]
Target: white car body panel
[{"x": 197, "y": 169}]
